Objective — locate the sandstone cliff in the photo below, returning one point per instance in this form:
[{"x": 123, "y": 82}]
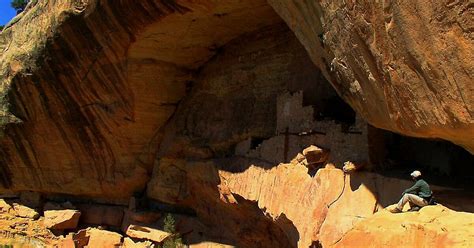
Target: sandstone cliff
[
  {"x": 279, "y": 207},
  {"x": 431, "y": 227},
  {"x": 95, "y": 83},
  {"x": 404, "y": 66},
  {"x": 204, "y": 108}
]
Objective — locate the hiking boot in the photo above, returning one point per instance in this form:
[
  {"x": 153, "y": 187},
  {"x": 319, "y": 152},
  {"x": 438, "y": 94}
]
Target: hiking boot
[
  {"x": 414, "y": 209},
  {"x": 395, "y": 211}
]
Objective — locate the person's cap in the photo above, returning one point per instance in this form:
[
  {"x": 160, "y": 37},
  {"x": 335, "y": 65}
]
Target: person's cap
[{"x": 415, "y": 173}]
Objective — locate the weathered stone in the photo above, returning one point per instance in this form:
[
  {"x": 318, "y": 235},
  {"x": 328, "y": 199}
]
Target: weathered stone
[
  {"x": 93, "y": 97},
  {"x": 168, "y": 181},
  {"x": 61, "y": 219},
  {"x": 25, "y": 212},
  {"x": 106, "y": 129},
  {"x": 401, "y": 71},
  {"x": 96, "y": 214},
  {"x": 209, "y": 244},
  {"x": 129, "y": 243},
  {"x": 81, "y": 238},
  {"x": 278, "y": 192},
  {"x": 5, "y": 207},
  {"x": 132, "y": 204},
  {"x": 58, "y": 206},
  {"x": 432, "y": 226},
  {"x": 315, "y": 155},
  {"x": 330, "y": 166},
  {"x": 103, "y": 238},
  {"x": 93, "y": 237},
  {"x": 66, "y": 242},
  {"x": 146, "y": 232},
  {"x": 298, "y": 159},
  {"x": 293, "y": 117},
  {"x": 304, "y": 208},
  {"x": 31, "y": 199},
  {"x": 350, "y": 167},
  {"x": 146, "y": 217}
]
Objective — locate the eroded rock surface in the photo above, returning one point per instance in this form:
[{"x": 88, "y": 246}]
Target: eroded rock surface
[
  {"x": 206, "y": 106},
  {"x": 144, "y": 232},
  {"x": 25, "y": 212},
  {"x": 302, "y": 208},
  {"x": 432, "y": 226},
  {"x": 404, "y": 66},
  {"x": 101, "y": 81},
  {"x": 103, "y": 238},
  {"x": 61, "y": 219}
]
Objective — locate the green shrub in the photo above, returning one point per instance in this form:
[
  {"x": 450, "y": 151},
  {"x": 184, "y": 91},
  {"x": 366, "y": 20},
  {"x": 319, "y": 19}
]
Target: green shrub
[
  {"x": 174, "y": 241},
  {"x": 19, "y": 5}
]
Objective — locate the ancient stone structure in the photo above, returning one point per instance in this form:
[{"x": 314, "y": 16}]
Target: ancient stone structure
[{"x": 131, "y": 109}]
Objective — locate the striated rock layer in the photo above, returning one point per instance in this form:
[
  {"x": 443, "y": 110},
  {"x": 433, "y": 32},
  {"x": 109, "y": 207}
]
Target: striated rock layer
[
  {"x": 96, "y": 92},
  {"x": 200, "y": 107},
  {"x": 404, "y": 66},
  {"x": 96, "y": 81}
]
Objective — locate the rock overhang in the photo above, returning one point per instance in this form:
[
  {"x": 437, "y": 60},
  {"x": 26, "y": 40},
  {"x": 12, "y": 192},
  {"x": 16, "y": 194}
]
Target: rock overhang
[{"x": 96, "y": 83}]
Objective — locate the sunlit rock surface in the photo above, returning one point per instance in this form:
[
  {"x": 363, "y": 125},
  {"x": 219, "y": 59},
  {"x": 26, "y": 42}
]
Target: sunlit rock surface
[
  {"x": 404, "y": 66},
  {"x": 205, "y": 107},
  {"x": 95, "y": 82},
  {"x": 432, "y": 226}
]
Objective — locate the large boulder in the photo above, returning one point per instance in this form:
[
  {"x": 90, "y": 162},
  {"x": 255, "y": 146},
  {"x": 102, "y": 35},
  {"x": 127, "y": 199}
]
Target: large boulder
[
  {"x": 129, "y": 243},
  {"x": 147, "y": 233},
  {"x": 315, "y": 155},
  {"x": 25, "y": 212},
  {"x": 93, "y": 237},
  {"x": 103, "y": 238},
  {"x": 432, "y": 226},
  {"x": 61, "y": 219}
]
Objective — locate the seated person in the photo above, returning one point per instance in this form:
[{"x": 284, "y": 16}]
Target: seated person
[{"x": 418, "y": 195}]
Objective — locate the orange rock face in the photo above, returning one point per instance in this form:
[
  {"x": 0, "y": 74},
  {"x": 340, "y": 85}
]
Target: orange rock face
[
  {"x": 326, "y": 208},
  {"x": 432, "y": 226},
  {"x": 99, "y": 101},
  {"x": 206, "y": 107},
  {"x": 319, "y": 212},
  {"x": 304, "y": 208},
  {"x": 401, "y": 70}
]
